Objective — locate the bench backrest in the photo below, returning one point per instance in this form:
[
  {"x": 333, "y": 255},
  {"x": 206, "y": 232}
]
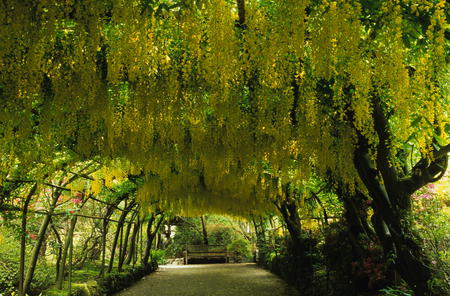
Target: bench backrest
[{"x": 205, "y": 248}]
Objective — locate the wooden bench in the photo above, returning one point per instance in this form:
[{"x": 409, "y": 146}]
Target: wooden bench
[{"x": 206, "y": 253}]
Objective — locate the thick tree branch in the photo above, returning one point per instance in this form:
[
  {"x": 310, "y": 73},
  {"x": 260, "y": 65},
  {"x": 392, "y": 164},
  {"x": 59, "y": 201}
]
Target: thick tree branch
[
  {"x": 442, "y": 152},
  {"x": 85, "y": 176},
  {"x": 241, "y": 12},
  {"x": 107, "y": 203},
  {"x": 325, "y": 214},
  {"x": 45, "y": 183},
  {"x": 426, "y": 171},
  {"x": 384, "y": 163}
]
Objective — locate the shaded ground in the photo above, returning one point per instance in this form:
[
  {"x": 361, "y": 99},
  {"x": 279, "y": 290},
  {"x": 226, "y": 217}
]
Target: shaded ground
[{"x": 210, "y": 280}]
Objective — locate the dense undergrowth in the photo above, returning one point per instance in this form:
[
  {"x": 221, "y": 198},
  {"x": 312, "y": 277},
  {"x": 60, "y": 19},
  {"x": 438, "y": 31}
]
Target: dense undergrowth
[
  {"x": 329, "y": 259},
  {"x": 85, "y": 281},
  {"x": 334, "y": 262},
  {"x": 9, "y": 267}
]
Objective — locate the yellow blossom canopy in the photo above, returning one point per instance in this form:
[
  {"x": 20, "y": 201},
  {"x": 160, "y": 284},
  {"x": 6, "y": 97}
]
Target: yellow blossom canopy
[{"x": 206, "y": 105}]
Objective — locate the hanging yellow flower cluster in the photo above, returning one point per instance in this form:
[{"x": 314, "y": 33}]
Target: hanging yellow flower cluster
[{"x": 205, "y": 106}]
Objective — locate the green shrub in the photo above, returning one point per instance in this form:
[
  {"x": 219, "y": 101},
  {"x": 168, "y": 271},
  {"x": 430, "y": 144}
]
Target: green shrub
[
  {"x": 430, "y": 216},
  {"x": 9, "y": 266},
  {"x": 221, "y": 235},
  {"x": 116, "y": 281},
  {"x": 78, "y": 291},
  {"x": 8, "y": 277},
  {"x": 241, "y": 250},
  {"x": 184, "y": 235},
  {"x": 159, "y": 256},
  {"x": 9, "y": 262},
  {"x": 390, "y": 291},
  {"x": 43, "y": 278},
  {"x": 355, "y": 264}
]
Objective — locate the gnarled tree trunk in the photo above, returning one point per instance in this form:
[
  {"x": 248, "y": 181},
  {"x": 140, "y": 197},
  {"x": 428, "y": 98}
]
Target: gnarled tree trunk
[
  {"x": 391, "y": 196},
  {"x": 151, "y": 236}
]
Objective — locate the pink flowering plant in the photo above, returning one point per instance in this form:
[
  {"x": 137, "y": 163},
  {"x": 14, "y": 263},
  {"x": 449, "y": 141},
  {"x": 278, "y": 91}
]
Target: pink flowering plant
[
  {"x": 372, "y": 267},
  {"x": 430, "y": 217}
]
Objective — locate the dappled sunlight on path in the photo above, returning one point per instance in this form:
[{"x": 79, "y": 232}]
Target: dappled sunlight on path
[{"x": 210, "y": 280}]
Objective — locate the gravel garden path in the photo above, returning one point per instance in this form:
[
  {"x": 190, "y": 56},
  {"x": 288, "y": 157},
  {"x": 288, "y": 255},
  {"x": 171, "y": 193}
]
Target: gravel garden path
[{"x": 210, "y": 280}]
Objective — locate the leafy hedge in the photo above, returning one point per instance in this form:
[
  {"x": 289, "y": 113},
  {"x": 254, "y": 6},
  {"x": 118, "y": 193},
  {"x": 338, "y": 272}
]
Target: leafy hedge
[
  {"x": 159, "y": 256},
  {"x": 116, "y": 281},
  {"x": 8, "y": 277},
  {"x": 240, "y": 248}
]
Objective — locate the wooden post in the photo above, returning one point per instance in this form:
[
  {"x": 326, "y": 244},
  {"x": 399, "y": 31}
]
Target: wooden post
[
  {"x": 140, "y": 243},
  {"x": 37, "y": 246},
  {"x": 67, "y": 246},
  {"x": 121, "y": 243},
  {"x": 70, "y": 264},
  {"x": 227, "y": 260},
  {"x": 23, "y": 240},
  {"x": 136, "y": 251},
  {"x": 102, "y": 269}
]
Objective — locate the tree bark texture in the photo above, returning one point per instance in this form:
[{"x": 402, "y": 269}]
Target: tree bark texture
[
  {"x": 124, "y": 250},
  {"x": 23, "y": 239},
  {"x": 117, "y": 234},
  {"x": 204, "y": 230},
  {"x": 39, "y": 242},
  {"x": 132, "y": 248},
  {"x": 150, "y": 236},
  {"x": 391, "y": 194},
  {"x": 62, "y": 266}
]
